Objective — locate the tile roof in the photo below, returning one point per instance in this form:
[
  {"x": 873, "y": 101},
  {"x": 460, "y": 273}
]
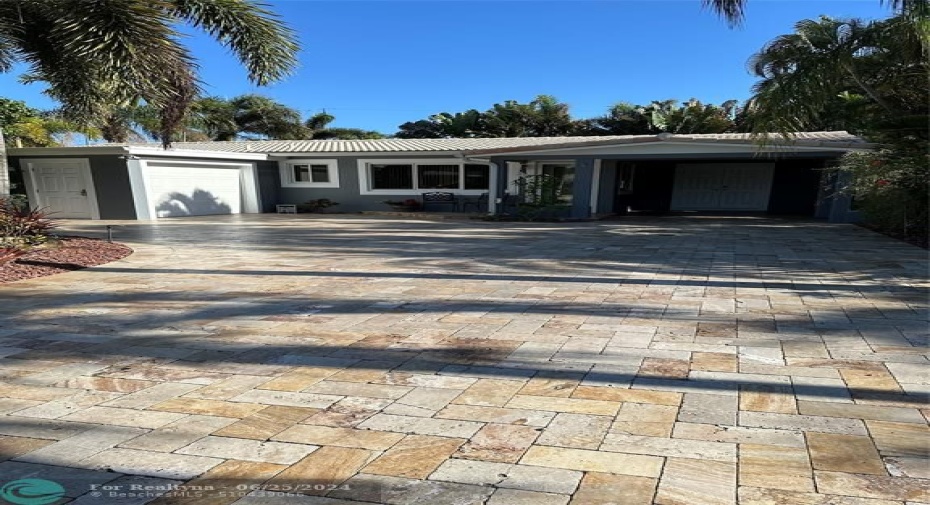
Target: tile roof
[{"x": 835, "y": 139}]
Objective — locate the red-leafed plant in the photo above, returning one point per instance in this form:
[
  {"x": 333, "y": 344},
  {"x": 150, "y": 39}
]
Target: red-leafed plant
[
  {"x": 23, "y": 226},
  {"x": 10, "y": 253}
]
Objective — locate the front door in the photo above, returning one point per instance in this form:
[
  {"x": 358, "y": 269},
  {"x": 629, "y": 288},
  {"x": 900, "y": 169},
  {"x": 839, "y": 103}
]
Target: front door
[
  {"x": 63, "y": 187},
  {"x": 722, "y": 186}
]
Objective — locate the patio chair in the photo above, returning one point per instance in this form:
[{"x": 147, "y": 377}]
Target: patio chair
[
  {"x": 440, "y": 198},
  {"x": 479, "y": 204}
]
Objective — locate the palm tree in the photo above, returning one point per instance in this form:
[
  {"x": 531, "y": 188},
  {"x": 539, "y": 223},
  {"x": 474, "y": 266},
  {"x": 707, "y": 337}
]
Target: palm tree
[
  {"x": 830, "y": 64},
  {"x": 693, "y": 116},
  {"x": 98, "y": 56},
  {"x": 264, "y": 117},
  {"x": 622, "y": 118},
  {"x": 734, "y": 10},
  {"x": 347, "y": 134}
]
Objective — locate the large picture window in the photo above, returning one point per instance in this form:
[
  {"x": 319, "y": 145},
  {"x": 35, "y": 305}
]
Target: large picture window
[
  {"x": 385, "y": 177},
  {"x": 309, "y": 174}
]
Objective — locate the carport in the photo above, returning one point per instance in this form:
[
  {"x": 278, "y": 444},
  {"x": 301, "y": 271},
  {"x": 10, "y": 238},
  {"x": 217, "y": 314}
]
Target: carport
[{"x": 730, "y": 173}]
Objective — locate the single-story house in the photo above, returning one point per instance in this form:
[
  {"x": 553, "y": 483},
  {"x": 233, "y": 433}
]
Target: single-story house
[{"x": 595, "y": 176}]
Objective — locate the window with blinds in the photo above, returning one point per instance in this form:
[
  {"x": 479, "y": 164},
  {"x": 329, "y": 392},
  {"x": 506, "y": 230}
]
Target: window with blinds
[
  {"x": 477, "y": 177},
  {"x": 391, "y": 176},
  {"x": 427, "y": 176},
  {"x": 438, "y": 176}
]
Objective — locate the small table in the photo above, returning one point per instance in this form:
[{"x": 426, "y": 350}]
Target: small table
[{"x": 287, "y": 208}]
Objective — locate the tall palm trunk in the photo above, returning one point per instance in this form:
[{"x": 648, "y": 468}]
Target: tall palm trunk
[{"x": 4, "y": 169}]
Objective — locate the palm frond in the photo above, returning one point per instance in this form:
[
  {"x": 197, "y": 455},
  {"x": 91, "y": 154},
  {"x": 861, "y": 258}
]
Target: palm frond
[
  {"x": 731, "y": 10},
  {"x": 262, "y": 42}
]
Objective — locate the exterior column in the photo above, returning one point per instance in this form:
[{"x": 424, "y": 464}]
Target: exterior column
[
  {"x": 145, "y": 210},
  {"x": 582, "y": 188},
  {"x": 5, "y": 170},
  {"x": 492, "y": 187},
  {"x": 501, "y": 189}
]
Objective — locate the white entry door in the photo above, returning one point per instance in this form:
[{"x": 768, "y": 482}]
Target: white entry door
[
  {"x": 722, "y": 186},
  {"x": 64, "y": 187}
]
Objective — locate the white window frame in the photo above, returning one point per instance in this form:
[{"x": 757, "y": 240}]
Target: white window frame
[
  {"x": 287, "y": 173},
  {"x": 364, "y": 178}
]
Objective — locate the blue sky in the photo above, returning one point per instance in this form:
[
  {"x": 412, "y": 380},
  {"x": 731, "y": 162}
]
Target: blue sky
[{"x": 376, "y": 64}]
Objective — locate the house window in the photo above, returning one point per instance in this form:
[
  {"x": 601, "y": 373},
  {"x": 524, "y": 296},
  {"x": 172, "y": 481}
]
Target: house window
[
  {"x": 310, "y": 174},
  {"x": 438, "y": 176},
  {"x": 391, "y": 176},
  {"x": 477, "y": 177},
  {"x": 387, "y": 177}
]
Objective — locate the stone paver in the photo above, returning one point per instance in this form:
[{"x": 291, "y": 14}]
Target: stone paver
[
  {"x": 248, "y": 450},
  {"x": 416, "y": 456},
  {"x": 330, "y": 360},
  {"x": 609, "y": 489}
]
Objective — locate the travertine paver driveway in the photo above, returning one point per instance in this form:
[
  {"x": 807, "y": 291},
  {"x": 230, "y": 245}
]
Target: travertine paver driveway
[{"x": 666, "y": 360}]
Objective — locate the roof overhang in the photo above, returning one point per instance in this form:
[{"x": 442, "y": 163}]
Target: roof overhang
[
  {"x": 132, "y": 151},
  {"x": 367, "y": 154},
  {"x": 672, "y": 146}
]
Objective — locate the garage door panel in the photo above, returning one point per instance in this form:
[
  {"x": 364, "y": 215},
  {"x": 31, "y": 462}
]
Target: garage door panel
[
  {"x": 193, "y": 191},
  {"x": 722, "y": 186}
]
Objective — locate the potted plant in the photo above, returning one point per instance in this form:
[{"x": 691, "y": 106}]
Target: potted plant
[{"x": 408, "y": 205}]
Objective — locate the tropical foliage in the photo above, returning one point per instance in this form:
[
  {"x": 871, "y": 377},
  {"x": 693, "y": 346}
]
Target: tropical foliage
[
  {"x": 98, "y": 57},
  {"x": 245, "y": 117},
  {"x": 317, "y": 127},
  {"x": 24, "y": 126},
  {"x": 546, "y": 116},
  {"x": 734, "y": 10},
  {"x": 869, "y": 77},
  {"x": 21, "y": 228}
]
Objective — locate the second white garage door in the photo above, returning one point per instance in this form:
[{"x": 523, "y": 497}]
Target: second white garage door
[{"x": 176, "y": 190}]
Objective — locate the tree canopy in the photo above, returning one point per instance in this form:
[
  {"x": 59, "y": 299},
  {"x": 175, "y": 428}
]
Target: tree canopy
[
  {"x": 869, "y": 77},
  {"x": 24, "y": 126},
  {"x": 546, "y": 116},
  {"x": 98, "y": 57}
]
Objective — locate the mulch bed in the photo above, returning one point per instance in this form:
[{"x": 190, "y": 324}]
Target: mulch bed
[{"x": 64, "y": 255}]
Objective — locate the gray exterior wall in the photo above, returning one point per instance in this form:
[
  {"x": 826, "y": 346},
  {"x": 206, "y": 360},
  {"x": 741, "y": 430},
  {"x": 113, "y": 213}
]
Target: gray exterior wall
[
  {"x": 111, "y": 182},
  {"x": 348, "y": 193},
  {"x": 607, "y": 187},
  {"x": 269, "y": 185}
]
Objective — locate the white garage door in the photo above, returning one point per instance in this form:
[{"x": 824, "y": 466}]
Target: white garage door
[
  {"x": 176, "y": 190},
  {"x": 722, "y": 186}
]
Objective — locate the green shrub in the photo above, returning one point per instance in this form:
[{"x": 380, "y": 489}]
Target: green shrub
[{"x": 891, "y": 187}]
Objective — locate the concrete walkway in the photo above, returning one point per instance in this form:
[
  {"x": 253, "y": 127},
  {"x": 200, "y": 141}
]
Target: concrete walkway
[{"x": 343, "y": 359}]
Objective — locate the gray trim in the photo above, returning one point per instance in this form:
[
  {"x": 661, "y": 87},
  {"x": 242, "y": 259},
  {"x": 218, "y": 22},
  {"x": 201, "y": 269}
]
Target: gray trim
[{"x": 137, "y": 185}]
